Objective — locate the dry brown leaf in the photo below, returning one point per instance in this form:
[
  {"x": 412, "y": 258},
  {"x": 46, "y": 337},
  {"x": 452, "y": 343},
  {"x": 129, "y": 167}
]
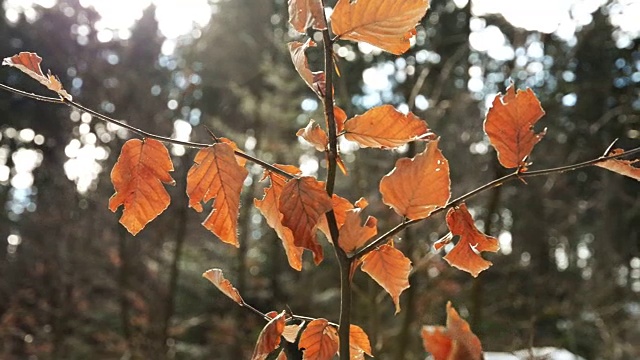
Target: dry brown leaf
[
  {"x": 217, "y": 175},
  {"x": 217, "y": 278},
  {"x": 302, "y": 203},
  {"x": 340, "y": 208},
  {"x": 29, "y": 63},
  {"x": 359, "y": 343},
  {"x": 268, "y": 206},
  {"x": 509, "y": 126},
  {"x": 314, "y": 135},
  {"x": 269, "y": 337},
  {"x": 304, "y": 14},
  {"x": 315, "y": 80},
  {"x": 390, "y": 268},
  {"x": 623, "y": 167},
  {"x": 319, "y": 340},
  {"x": 465, "y": 255},
  {"x": 418, "y": 186},
  {"x": 340, "y": 116},
  {"x": 353, "y": 235},
  {"x": 455, "y": 342},
  {"x": 137, "y": 176},
  {"x": 387, "y": 24},
  {"x": 385, "y": 127},
  {"x": 290, "y": 332}
]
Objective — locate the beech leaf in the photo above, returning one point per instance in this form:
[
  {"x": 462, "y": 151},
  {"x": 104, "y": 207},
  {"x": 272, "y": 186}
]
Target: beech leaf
[
  {"x": 315, "y": 80},
  {"x": 465, "y": 255},
  {"x": 340, "y": 116},
  {"x": 314, "y": 135},
  {"x": 302, "y": 203},
  {"x": 217, "y": 175},
  {"x": 269, "y": 337},
  {"x": 456, "y": 341},
  {"x": 623, "y": 167},
  {"x": 137, "y": 177},
  {"x": 385, "y": 127},
  {"x": 304, "y": 14},
  {"x": 217, "y": 278},
  {"x": 340, "y": 207},
  {"x": 353, "y": 235},
  {"x": 509, "y": 126},
  {"x": 387, "y": 24},
  {"x": 29, "y": 63},
  {"x": 319, "y": 340},
  {"x": 290, "y": 332},
  {"x": 269, "y": 207},
  {"x": 390, "y": 268},
  {"x": 418, "y": 186},
  {"x": 359, "y": 343}
]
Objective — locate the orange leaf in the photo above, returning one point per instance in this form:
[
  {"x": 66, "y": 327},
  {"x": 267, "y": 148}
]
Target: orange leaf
[
  {"x": 217, "y": 278},
  {"x": 387, "y": 24},
  {"x": 319, "y": 340},
  {"x": 241, "y": 161},
  {"x": 509, "y": 125},
  {"x": 304, "y": 14},
  {"x": 384, "y": 127},
  {"x": 29, "y": 63},
  {"x": 465, "y": 255},
  {"x": 302, "y": 203},
  {"x": 269, "y": 337},
  {"x": 352, "y": 234},
  {"x": 623, "y": 167},
  {"x": 268, "y": 206},
  {"x": 455, "y": 342},
  {"x": 340, "y": 116},
  {"x": 390, "y": 268},
  {"x": 340, "y": 208},
  {"x": 314, "y": 135},
  {"x": 142, "y": 167},
  {"x": 418, "y": 186},
  {"x": 216, "y": 174},
  {"x": 359, "y": 343},
  {"x": 315, "y": 80}
]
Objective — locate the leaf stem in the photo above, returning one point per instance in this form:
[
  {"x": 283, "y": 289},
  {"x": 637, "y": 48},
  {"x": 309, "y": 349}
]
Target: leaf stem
[
  {"x": 138, "y": 131},
  {"x": 490, "y": 185}
]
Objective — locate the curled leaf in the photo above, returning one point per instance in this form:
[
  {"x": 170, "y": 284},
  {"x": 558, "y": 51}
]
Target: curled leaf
[
  {"x": 319, "y": 340},
  {"x": 269, "y": 337},
  {"x": 315, "y": 80},
  {"x": 387, "y": 24},
  {"x": 137, "y": 176},
  {"x": 29, "y": 63},
  {"x": 456, "y": 341},
  {"x": 465, "y": 255},
  {"x": 314, "y": 135},
  {"x": 217, "y": 278},
  {"x": 509, "y": 126},
  {"x": 623, "y": 167},
  {"x": 304, "y": 14}
]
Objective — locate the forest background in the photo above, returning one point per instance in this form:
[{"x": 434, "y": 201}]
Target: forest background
[{"x": 75, "y": 285}]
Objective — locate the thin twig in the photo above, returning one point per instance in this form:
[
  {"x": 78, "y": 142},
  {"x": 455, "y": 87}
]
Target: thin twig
[
  {"x": 495, "y": 183},
  {"x": 138, "y": 131}
]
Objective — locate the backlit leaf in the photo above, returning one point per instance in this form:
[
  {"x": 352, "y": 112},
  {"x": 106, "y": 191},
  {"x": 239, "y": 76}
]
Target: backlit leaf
[
  {"x": 302, "y": 203},
  {"x": 340, "y": 208},
  {"x": 319, "y": 340},
  {"x": 29, "y": 63},
  {"x": 290, "y": 332},
  {"x": 340, "y": 116},
  {"x": 390, "y": 268},
  {"x": 268, "y": 206},
  {"x": 353, "y": 235},
  {"x": 418, "y": 186},
  {"x": 142, "y": 167},
  {"x": 623, "y": 167},
  {"x": 385, "y": 127},
  {"x": 269, "y": 337},
  {"x": 314, "y": 135},
  {"x": 217, "y": 278},
  {"x": 509, "y": 126},
  {"x": 387, "y": 24},
  {"x": 315, "y": 80},
  {"x": 465, "y": 255},
  {"x": 217, "y": 175},
  {"x": 359, "y": 343},
  {"x": 304, "y": 14},
  {"x": 454, "y": 342}
]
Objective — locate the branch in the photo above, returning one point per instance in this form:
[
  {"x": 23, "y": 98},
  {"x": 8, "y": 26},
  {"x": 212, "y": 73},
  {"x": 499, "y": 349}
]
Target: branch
[
  {"x": 495, "y": 183},
  {"x": 140, "y": 132}
]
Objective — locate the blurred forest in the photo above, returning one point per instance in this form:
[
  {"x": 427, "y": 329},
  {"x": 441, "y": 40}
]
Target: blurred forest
[{"x": 75, "y": 285}]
